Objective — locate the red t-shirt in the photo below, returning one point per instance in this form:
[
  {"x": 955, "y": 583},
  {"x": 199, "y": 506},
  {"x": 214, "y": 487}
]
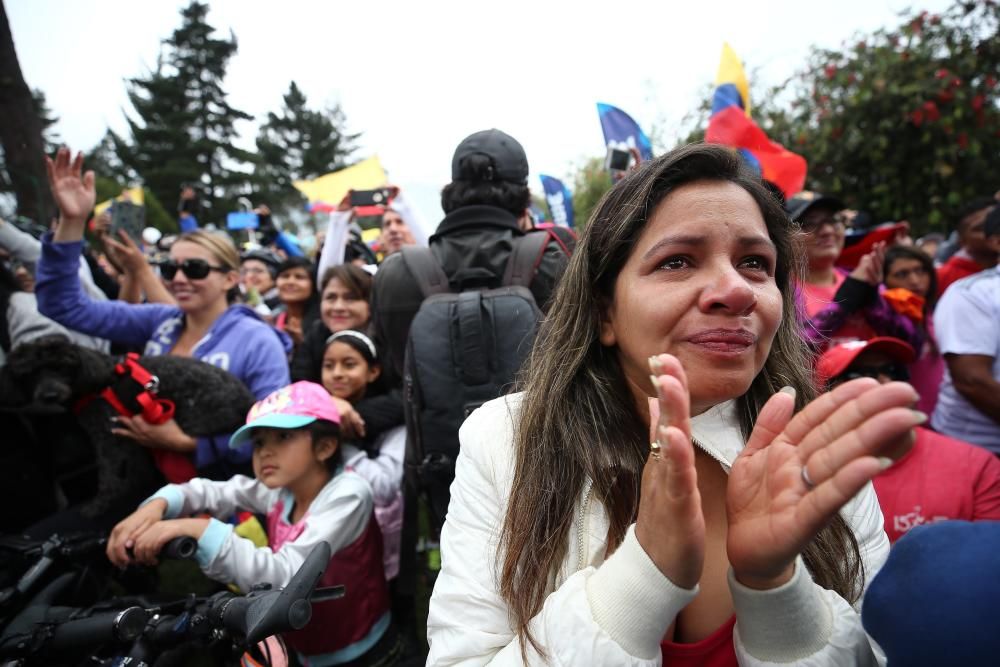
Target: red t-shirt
[
  {"x": 940, "y": 478},
  {"x": 956, "y": 268},
  {"x": 716, "y": 650}
]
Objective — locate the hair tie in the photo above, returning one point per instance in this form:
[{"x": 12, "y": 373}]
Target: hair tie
[{"x": 351, "y": 333}]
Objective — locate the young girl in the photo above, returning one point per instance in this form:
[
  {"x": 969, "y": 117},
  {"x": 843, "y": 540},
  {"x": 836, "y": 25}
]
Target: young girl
[
  {"x": 308, "y": 497},
  {"x": 350, "y": 368},
  {"x": 911, "y": 289}
]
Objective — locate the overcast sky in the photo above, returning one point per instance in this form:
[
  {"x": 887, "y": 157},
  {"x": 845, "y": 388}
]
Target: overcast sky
[{"x": 416, "y": 77}]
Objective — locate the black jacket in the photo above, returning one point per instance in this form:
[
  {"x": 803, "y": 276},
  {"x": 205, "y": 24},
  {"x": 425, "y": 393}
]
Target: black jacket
[
  {"x": 472, "y": 245},
  {"x": 381, "y": 412}
]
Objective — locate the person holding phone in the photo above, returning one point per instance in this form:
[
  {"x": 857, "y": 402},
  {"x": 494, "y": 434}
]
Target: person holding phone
[
  {"x": 202, "y": 276},
  {"x": 400, "y": 225}
]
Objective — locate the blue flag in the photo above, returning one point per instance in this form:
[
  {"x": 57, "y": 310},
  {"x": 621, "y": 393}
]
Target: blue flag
[
  {"x": 559, "y": 199},
  {"x": 620, "y": 131}
]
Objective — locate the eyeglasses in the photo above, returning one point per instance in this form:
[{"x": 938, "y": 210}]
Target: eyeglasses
[
  {"x": 813, "y": 224},
  {"x": 897, "y": 372},
  {"x": 195, "y": 269}
]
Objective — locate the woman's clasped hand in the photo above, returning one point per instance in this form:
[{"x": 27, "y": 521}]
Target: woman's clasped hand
[{"x": 795, "y": 473}]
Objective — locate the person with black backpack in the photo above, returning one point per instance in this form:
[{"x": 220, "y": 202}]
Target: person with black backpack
[{"x": 473, "y": 298}]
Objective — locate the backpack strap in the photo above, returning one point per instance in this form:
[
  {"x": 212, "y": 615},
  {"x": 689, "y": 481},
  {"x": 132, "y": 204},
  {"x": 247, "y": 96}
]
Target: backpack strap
[
  {"x": 525, "y": 256},
  {"x": 426, "y": 270}
]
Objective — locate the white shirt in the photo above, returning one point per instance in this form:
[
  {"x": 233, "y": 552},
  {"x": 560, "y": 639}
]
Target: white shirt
[{"x": 967, "y": 321}]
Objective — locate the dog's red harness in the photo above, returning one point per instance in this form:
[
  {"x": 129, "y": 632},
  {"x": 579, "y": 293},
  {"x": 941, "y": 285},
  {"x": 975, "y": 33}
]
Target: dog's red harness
[{"x": 132, "y": 393}]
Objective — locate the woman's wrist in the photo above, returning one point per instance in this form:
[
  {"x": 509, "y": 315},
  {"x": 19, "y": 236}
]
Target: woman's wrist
[
  {"x": 766, "y": 583},
  {"x": 69, "y": 229}
]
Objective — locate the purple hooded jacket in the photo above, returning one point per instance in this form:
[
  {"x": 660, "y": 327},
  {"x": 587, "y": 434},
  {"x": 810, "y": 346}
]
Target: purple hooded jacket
[
  {"x": 239, "y": 341},
  {"x": 854, "y": 296}
]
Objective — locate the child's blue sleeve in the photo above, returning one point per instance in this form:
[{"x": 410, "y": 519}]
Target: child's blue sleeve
[
  {"x": 217, "y": 498},
  {"x": 338, "y": 516}
]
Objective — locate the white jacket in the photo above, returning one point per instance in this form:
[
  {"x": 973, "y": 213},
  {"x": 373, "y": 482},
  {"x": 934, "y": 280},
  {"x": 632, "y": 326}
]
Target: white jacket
[{"x": 616, "y": 611}]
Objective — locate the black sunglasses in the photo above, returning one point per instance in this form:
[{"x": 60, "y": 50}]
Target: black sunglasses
[
  {"x": 195, "y": 269},
  {"x": 897, "y": 372}
]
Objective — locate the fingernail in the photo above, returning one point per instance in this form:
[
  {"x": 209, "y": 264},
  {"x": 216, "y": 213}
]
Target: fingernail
[
  {"x": 663, "y": 439},
  {"x": 788, "y": 389},
  {"x": 655, "y": 383},
  {"x": 919, "y": 417},
  {"x": 655, "y": 365},
  {"x": 885, "y": 462}
]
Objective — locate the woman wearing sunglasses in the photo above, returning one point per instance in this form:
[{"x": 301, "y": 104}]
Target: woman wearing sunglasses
[{"x": 202, "y": 275}]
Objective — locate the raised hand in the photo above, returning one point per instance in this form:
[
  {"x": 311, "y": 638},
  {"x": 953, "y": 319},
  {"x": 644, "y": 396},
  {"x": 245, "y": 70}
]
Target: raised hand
[
  {"x": 73, "y": 190},
  {"x": 670, "y": 525},
  {"x": 869, "y": 268},
  {"x": 125, "y": 253},
  {"x": 842, "y": 439}
]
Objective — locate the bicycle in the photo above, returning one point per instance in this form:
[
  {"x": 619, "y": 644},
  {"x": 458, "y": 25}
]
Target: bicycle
[{"x": 129, "y": 631}]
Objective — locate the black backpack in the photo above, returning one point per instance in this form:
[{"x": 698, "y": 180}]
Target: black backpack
[{"x": 464, "y": 348}]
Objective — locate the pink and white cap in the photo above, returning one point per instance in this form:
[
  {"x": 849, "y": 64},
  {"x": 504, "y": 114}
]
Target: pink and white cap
[{"x": 294, "y": 406}]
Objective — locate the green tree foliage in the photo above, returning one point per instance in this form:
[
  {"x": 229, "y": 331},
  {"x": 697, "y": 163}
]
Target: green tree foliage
[
  {"x": 902, "y": 122},
  {"x": 185, "y": 127},
  {"x": 589, "y": 185},
  {"x": 50, "y": 138},
  {"x": 905, "y": 122},
  {"x": 298, "y": 143},
  {"x": 104, "y": 161},
  {"x": 50, "y": 143}
]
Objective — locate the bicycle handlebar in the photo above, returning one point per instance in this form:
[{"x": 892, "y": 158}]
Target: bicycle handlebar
[
  {"x": 118, "y": 625},
  {"x": 59, "y": 637},
  {"x": 180, "y": 548},
  {"x": 248, "y": 619},
  {"x": 263, "y": 613}
]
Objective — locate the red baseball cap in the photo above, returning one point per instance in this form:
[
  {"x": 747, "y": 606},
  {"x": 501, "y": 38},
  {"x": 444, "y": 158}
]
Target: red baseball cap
[{"x": 838, "y": 358}]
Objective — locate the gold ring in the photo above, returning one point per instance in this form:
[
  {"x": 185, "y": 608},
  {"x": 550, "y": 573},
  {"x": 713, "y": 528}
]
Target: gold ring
[{"x": 654, "y": 449}]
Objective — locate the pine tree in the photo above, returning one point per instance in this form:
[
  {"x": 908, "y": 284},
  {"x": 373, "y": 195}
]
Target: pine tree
[
  {"x": 184, "y": 128},
  {"x": 298, "y": 143},
  {"x": 23, "y": 170},
  {"x": 50, "y": 138}
]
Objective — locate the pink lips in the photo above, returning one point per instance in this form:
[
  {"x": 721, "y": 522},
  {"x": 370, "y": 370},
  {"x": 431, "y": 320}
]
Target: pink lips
[{"x": 724, "y": 340}]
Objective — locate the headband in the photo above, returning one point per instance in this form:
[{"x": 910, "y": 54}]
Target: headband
[{"x": 357, "y": 335}]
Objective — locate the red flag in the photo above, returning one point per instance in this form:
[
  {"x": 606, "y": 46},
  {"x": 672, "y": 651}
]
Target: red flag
[{"x": 731, "y": 126}]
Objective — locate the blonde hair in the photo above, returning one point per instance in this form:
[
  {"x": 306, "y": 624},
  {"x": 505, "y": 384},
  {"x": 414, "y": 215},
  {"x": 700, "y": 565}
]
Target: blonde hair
[{"x": 217, "y": 243}]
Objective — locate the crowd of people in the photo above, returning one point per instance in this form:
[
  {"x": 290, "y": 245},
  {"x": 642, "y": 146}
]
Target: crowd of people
[{"x": 732, "y": 408}]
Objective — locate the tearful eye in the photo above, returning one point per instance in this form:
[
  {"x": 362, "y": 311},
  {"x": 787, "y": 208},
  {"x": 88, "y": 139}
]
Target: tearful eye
[
  {"x": 675, "y": 263},
  {"x": 756, "y": 263}
]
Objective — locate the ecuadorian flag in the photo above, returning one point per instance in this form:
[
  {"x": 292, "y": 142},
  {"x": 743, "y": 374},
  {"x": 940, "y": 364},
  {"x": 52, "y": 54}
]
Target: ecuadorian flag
[{"x": 730, "y": 124}]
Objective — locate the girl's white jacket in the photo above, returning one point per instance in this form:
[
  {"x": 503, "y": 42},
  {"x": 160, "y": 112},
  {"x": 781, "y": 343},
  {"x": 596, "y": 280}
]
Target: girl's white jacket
[{"x": 615, "y": 611}]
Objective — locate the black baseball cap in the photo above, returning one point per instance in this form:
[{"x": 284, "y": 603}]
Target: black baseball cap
[
  {"x": 797, "y": 206},
  {"x": 509, "y": 161}
]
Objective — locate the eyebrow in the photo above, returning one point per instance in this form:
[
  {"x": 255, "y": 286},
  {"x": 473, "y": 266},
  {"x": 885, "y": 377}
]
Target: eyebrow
[{"x": 693, "y": 240}]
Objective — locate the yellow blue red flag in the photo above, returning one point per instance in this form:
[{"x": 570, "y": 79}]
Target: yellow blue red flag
[{"x": 730, "y": 124}]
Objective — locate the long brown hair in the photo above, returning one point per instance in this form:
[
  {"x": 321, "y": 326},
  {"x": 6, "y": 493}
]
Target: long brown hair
[{"x": 578, "y": 420}]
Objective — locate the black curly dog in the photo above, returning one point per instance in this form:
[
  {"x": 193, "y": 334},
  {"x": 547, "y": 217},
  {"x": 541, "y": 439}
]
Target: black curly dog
[{"x": 51, "y": 374}]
